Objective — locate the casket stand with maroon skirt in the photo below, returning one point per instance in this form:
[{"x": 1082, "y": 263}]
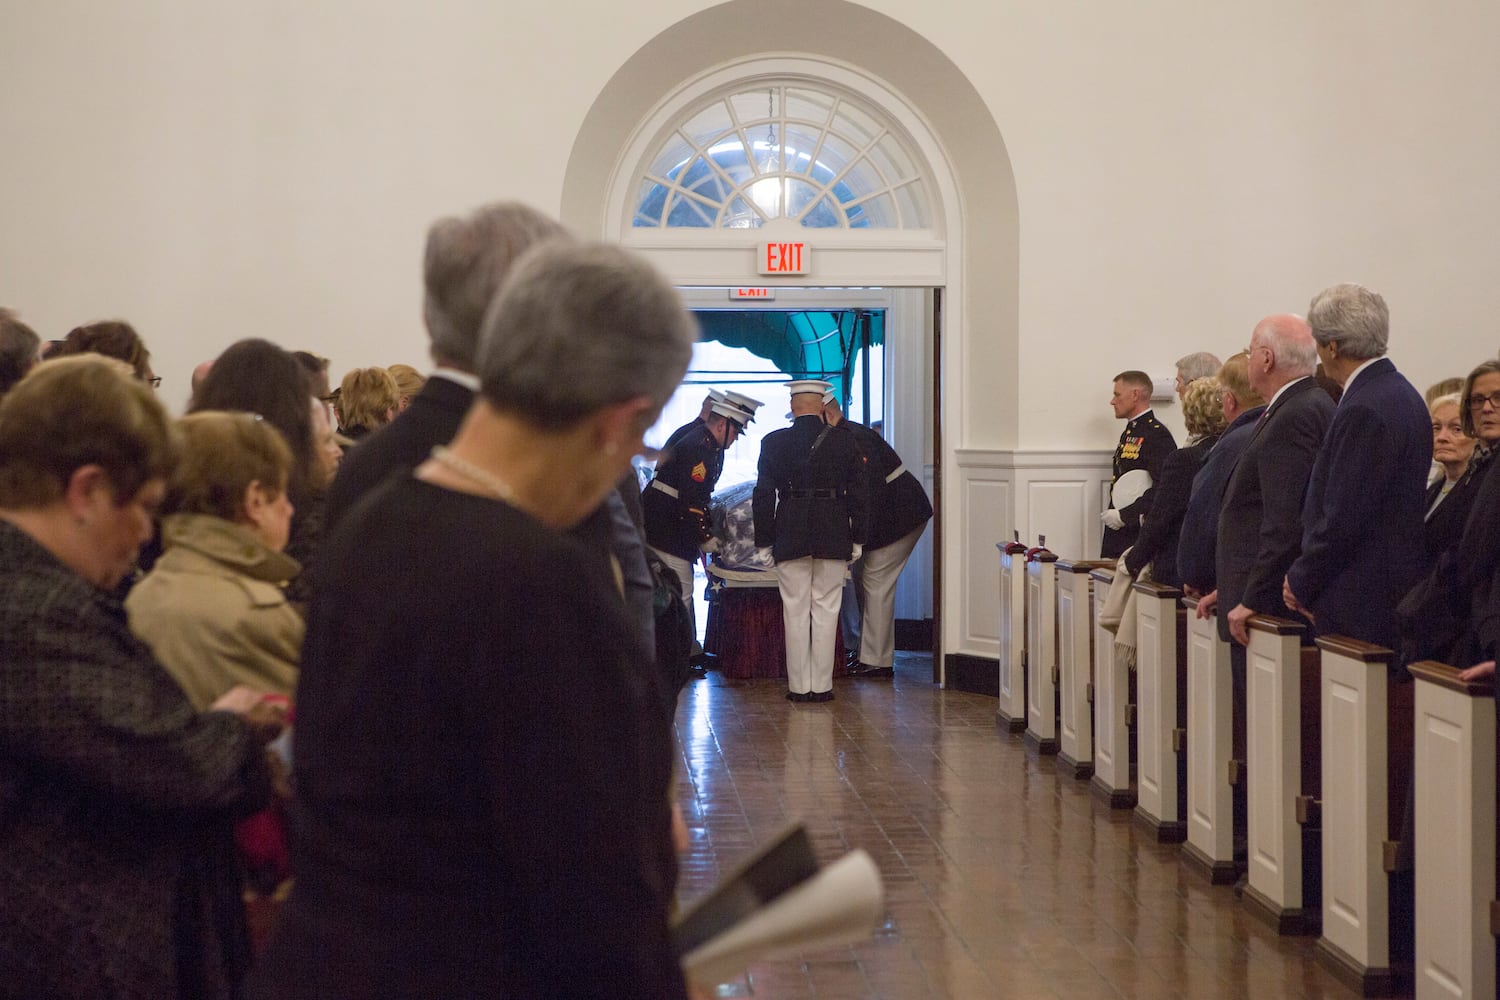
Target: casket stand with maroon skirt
[{"x": 745, "y": 632}]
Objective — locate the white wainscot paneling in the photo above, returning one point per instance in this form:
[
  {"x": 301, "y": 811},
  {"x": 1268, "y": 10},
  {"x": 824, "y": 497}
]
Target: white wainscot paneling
[
  {"x": 987, "y": 519},
  {"x": 1052, "y": 493},
  {"x": 1055, "y": 512},
  {"x": 1060, "y": 494}
]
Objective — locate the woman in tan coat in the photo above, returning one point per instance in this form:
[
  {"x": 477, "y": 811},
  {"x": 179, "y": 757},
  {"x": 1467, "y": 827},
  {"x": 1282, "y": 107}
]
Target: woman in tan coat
[{"x": 213, "y": 609}]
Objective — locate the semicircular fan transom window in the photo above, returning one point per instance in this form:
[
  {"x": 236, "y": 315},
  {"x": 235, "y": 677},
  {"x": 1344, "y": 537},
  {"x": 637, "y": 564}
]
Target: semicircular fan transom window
[{"x": 782, "y": 151}]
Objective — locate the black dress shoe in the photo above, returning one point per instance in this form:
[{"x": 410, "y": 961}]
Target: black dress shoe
[
  {"x": 865, "y": 670},
  {"x": 820, "y": 696},
  {"x": 851, "y": 659},
  {"x": 799, "y": 696}
]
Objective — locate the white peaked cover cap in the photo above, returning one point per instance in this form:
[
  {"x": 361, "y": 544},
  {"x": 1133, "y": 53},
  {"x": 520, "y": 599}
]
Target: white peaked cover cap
[
  {"x": 802, "y": 385},
  {"x": 743, "y": 401},
  {"x": 1129, "y": 488},
  {"x": 732, "y": 412}
]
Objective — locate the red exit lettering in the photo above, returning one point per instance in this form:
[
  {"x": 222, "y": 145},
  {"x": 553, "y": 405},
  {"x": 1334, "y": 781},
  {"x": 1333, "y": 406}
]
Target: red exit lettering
[{"x": 785, "y": 258}]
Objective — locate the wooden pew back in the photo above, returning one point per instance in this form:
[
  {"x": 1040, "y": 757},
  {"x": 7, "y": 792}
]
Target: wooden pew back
[
  {"x": 1282, "y": 694},
  {"x": 1455, "y": 833},
  {"x": 1011, "y": 715}
]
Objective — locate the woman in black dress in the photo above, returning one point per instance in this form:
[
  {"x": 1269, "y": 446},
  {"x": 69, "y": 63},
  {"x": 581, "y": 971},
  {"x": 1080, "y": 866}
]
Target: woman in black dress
[{"x": 483, "y": 755}]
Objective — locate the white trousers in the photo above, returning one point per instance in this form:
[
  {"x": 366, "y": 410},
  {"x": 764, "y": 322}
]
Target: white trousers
[
  {"x": 880, "y": 569},
  {"x": 810, "y": 613},
  {"x": 684, "y": 571}
]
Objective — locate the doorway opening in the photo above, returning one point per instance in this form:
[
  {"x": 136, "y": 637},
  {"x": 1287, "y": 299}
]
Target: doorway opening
[{"x": 873, "y": 344}]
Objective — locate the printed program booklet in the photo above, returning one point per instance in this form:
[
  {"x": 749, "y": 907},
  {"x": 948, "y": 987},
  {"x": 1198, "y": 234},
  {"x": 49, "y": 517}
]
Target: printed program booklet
[{"x": 779, "y": 901}]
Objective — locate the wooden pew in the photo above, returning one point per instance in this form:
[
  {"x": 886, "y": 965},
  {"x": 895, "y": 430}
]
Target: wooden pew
[
  {"x": 1210, "y": 819},
  {"x": 1011, "y": 715},
  {"x": 1282, "y": 695},
  {"x": 1366, "y": 727},
  {"x": 1455, "y": 833},
  {"x": 1161, "y": 717},
  {"x": 1112, "y": 709},
  {"x": 1041, "y": 651},
  {"x": 1075, "y": 667}
]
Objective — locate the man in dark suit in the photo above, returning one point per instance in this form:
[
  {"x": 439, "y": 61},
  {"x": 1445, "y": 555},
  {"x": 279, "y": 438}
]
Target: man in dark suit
[
  {"x": 1362, "y": 541},
  {"x": 899, "y": 512},
  {"x": 1260, "y": 522},
  {"x": 1144, "y": 446},
  {"x": 809, "y": 508},
  {"x": 1198, "y": 540},
  {"x": 465, "y": 263}
]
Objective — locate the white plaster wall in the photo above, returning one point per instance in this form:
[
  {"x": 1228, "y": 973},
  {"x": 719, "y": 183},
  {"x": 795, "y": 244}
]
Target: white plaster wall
[
  {"x": 213, "y": 171},
  {"x": 1183, "y": 169}
]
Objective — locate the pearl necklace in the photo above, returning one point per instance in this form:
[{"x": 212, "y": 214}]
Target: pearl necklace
[{"x": 475, "y": 474}]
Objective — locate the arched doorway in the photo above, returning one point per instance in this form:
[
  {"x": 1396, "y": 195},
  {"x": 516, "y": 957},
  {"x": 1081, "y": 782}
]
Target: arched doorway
[{"x": 971, "y": 230}]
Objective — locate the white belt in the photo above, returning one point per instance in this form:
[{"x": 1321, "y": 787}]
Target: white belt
[
  {"x": 895, "y": 473},
  {"x": 670, "y": 491}
]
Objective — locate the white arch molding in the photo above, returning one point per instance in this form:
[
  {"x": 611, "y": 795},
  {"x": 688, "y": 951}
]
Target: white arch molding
[
  {"x": 866, "y": 257},
  {"x": 943, "y": 121}
]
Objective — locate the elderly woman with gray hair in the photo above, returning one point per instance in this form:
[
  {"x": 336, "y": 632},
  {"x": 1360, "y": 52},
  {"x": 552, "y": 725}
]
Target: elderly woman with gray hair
[
  {"x": 1156, "y": 545},
  {"x": 116, "y": 795},
  {"x": 483, "y": 758}
]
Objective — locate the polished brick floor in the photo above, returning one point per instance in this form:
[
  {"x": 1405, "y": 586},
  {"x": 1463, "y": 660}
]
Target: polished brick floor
[{"x": 1003, "y": 879}]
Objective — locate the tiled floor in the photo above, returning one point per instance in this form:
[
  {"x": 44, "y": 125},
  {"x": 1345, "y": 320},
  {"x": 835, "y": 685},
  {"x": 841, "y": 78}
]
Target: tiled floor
[{"x": 1003, "y": 878}]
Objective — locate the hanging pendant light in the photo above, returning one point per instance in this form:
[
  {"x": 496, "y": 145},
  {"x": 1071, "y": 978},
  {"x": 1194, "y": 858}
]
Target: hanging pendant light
[{"x": 768, "y": 190}]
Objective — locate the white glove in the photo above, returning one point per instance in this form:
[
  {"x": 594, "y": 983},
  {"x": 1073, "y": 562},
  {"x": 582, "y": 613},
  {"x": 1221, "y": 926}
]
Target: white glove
[
  {"x": 711, "y": 546},
  {"x": 859, "y": 550},
  {"x": 765, "y": 554},
  {"x": 1111, "y": 519}
]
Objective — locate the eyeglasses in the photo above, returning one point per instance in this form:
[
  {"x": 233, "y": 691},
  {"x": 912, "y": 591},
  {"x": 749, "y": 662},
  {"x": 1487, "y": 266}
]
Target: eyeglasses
[
  {"x": 1477, "y": 401},
  {"x": 155, "y": 381}
]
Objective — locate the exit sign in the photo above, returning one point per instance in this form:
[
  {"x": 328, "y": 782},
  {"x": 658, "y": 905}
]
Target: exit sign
[
  {"x": 784, "y": 258},
  {"x": 752, "y": 293}
]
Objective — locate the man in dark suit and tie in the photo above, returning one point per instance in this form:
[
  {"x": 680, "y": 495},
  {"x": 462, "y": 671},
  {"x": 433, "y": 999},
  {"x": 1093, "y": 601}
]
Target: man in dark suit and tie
[
  {"x": 465, "y": 263},
  {"x": 1260, "y": 522},
  {"x": 1198, "y": 539},
  {"x": 1362, "y": 541}
]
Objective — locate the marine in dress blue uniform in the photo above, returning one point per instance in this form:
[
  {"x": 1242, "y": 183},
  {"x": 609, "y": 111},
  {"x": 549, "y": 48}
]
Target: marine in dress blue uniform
[
  {"x": 1144, "y": 444},
  {"x": 899, "y": 512},
  {"x": 810, "y": 508},
  {"x": 675, "y": 503}
]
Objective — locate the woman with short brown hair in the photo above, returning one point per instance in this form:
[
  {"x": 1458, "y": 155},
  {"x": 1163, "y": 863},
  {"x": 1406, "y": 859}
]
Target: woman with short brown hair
[
  {"x": 113, "y": 338},
  {"x": 118, "y": 795}
]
